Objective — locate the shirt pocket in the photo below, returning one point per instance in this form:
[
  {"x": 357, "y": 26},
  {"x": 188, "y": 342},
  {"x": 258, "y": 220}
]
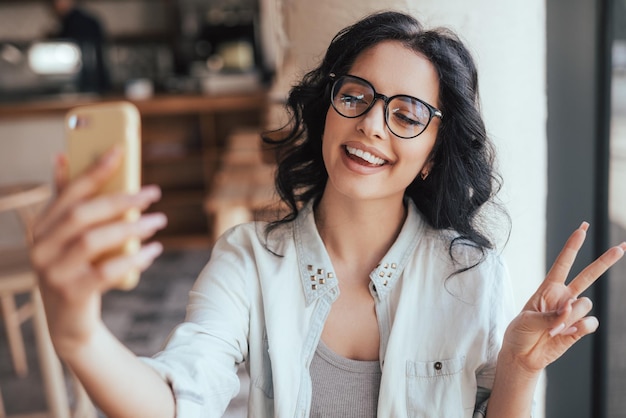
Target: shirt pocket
[
  {"x": 264, "y": 381},
  {"x": 435, "y": 388}
]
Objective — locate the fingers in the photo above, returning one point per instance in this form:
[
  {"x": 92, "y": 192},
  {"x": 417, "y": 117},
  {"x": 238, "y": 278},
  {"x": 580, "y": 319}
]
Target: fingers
[
  {"x": 68, "y": 278},
  {"x": 564, "y": 321},
  {"x": 111, "y": 271},
  {"x": 102, "y": 240},
  {"x": 593, "y": 271},
  {"x": 85, "y": 186},
  {"x": 61, "y": 174},
  {"x": 583, "y": 327},
  {"x": 563, "y": 263},
  {"x": 87, "y": 215},
  {"x": 531, "y": 321},
  {"x": 82, "y": 262},
  {"x": 89, "y": 244}
]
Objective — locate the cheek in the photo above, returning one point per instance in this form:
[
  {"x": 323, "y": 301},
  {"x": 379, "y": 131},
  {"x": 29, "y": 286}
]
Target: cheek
[
  {"x": 416, "y": 159},
  {"x": 417, "y": 153},
  {"x": 331, "y": 130},
  {"x": 331, "y": 124}
]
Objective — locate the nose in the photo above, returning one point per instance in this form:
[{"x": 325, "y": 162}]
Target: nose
[{"x": 372, "y": 123}]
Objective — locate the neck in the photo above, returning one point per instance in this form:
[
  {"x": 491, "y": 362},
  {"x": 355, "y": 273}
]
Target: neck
[{"x": 359, "y": 231}]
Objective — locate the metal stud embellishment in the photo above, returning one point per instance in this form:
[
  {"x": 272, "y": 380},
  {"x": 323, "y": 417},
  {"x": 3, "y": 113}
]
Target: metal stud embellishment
[
  {"x": 438, "y": 366},
  {"x": 318, "y": 276},
  {"x": 386, "y": 271}
]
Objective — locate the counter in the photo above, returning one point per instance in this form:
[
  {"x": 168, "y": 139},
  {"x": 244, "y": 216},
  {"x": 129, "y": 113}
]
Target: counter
[{"x": 157, "y": 105}]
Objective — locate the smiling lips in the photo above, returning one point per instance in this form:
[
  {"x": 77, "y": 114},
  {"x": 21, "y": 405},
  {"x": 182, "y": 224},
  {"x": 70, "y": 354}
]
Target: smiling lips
[{"x": 365, "y": 156}]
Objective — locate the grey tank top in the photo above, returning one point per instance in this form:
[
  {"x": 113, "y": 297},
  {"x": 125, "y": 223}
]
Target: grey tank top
[{"x": 342, "y": 387}]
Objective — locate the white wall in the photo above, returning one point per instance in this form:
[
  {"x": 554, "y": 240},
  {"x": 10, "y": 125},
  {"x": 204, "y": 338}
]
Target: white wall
[{"x": 508, "y": 42}]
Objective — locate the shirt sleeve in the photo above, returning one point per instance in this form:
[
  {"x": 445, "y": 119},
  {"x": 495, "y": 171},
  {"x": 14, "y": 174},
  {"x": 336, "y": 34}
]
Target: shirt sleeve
[
  {"x": 502, "y": 311},
  {"x": 201, "y": 357}
]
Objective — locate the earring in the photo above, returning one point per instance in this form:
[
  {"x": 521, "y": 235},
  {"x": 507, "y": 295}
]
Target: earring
[{"x": 424, "y": 174}]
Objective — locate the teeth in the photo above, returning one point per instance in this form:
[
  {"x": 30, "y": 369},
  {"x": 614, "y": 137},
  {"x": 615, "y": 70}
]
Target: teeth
[{"x": 372, "y": 159}]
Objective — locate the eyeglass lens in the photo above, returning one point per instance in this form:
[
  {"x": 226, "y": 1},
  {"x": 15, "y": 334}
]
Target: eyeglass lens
[{"x": 405, "y": 116}]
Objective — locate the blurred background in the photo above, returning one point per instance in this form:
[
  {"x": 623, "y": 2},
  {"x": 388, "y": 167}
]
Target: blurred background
[{"x": 209, "y": 75}]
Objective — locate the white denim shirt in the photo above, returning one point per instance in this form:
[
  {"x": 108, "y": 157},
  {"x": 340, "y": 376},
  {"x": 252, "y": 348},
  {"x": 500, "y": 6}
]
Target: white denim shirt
[{"x": 439, "y": 334}]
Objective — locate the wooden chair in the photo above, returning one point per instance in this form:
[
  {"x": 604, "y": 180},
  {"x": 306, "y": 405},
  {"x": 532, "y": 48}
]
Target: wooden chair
[{"x": 18, "y": 277}]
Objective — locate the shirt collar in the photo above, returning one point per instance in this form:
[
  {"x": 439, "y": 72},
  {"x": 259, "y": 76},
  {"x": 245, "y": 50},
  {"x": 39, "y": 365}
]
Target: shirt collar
[
  {"x": 390, "y": 268},
  {"x": 316, "y": 269}
]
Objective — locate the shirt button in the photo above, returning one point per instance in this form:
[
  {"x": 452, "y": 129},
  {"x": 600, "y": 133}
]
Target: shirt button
[{"x": 438, "y": 366}]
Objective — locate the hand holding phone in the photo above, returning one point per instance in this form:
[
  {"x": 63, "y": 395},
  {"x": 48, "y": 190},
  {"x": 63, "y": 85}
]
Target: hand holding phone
[{"x": 91, "y": 130}]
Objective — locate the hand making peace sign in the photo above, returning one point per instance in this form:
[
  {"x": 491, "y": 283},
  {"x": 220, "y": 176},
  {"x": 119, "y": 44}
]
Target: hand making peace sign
[{"x": 555, "y": 317}]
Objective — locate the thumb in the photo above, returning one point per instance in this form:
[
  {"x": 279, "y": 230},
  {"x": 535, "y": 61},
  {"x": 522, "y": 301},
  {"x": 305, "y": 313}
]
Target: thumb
[{"x": 553, "y": 321}]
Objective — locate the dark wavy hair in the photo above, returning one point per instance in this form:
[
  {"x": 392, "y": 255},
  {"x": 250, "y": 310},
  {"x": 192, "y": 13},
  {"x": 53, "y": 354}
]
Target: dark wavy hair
[{"x": 463, "y": 178}]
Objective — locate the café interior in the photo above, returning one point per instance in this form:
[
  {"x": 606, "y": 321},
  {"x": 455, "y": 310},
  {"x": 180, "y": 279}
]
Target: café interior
[
  {"x": 208, "y": 76},
  {"x": 200, "y": 75}
]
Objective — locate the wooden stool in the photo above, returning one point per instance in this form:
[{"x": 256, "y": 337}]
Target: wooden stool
[{"x": 18, "y": 277}]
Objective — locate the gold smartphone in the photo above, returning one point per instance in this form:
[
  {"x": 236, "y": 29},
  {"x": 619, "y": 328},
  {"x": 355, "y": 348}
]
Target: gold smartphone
[{"x": 91, "y": 130}]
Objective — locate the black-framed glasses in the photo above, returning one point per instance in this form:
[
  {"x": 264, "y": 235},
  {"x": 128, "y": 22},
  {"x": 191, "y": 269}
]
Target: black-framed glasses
[{"x": 405, "y": 116}]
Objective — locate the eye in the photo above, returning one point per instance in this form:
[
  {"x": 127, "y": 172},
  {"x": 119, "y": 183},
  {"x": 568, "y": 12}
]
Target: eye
[
  {"x": 353, "y": 100},
  {"x": 408, "y": 113},
  {"x": 407, "y": 118}
]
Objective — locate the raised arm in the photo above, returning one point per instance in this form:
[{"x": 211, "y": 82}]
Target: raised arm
[
  {"x": 71, "y": 237},
  {"x": 552, "y": 320}
]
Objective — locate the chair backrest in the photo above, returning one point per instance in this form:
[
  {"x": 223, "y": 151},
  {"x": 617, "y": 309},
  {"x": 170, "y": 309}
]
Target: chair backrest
[{"x": 26, "y": 199}]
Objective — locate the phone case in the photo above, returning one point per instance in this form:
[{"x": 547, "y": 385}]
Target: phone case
[{"x": 91, "y": 130}]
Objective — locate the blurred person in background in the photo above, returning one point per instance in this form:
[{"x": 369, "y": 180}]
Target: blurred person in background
[{"x": 80, "y": 26}]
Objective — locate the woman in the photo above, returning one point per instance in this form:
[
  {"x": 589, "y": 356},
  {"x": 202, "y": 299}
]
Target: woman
[{"x": 377, "y": 295}]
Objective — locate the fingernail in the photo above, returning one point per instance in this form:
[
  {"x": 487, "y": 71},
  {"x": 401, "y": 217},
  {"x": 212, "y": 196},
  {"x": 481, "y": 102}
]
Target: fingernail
[
  {"x": 556, "y": 330},
  {"x": 623, "y": 246},
  {"x": 149, "y": 252},
  {"x": 584, "y": 226},
  {"x": 151, "y": 192}
]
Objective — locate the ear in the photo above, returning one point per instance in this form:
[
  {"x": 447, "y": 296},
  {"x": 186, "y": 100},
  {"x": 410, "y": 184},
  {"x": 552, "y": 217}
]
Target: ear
[{"x": 427, "y": 168}]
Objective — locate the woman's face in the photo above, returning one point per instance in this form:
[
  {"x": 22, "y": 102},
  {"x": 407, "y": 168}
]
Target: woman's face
[{"x": 364, "y": 159}]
